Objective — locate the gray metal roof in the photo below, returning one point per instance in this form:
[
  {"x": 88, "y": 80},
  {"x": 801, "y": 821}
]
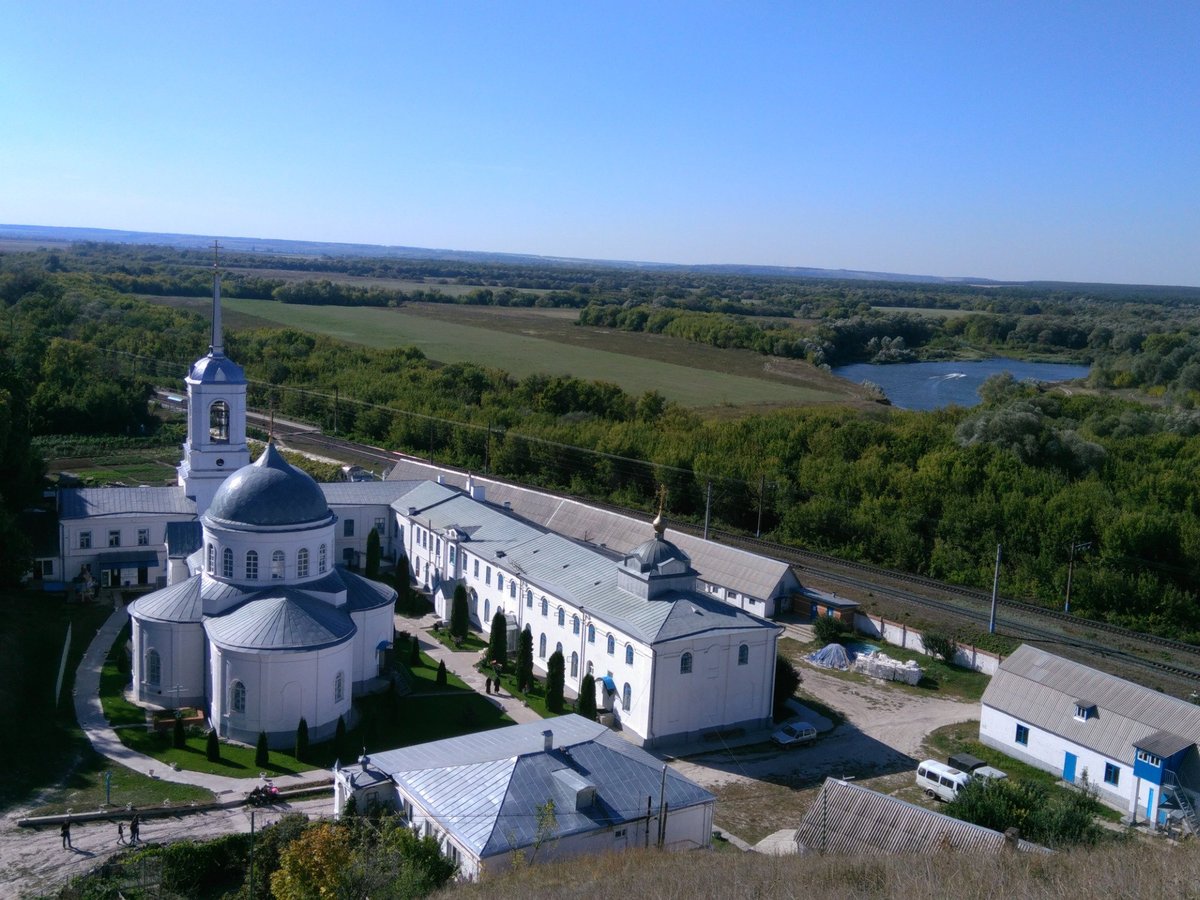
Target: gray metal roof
[
  {"x": 750, "y": 573},
  {"x": 82, "y": 503},
  {"x": 126, "y": 559},
  {"x": 361, "y": 493},
  {"x": 853, "y": 820},
  {"x": 362, "y": 593},
  {"x": 180, "y": 602},
  {"x": 1164, "y": 743},
  {"x": 184, "y": 538},
  {"x": 216, "y": 368},
  {"x": 269, "y": 491},
  {"x": 1041, "y": 689},
  {"x": 485, "y": 788},
  {"x": 282, "y": 618}
]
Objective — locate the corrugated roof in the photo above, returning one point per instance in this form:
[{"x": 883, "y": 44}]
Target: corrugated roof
[
  {"x": 281, "y": 619},
  {"x": 1164, "y": 743},
  {"x": 141, "y": 556},
  {"x": 82, "y": 503},
  {"x": 750, "y": 573},
  {"x": 180, "y": 602},
  {"x": 485, "y": 788},
  {"x": 1041, "y": 689},
  {"x": 852, "y": 820},
  {"x": 352, "y": 493}
]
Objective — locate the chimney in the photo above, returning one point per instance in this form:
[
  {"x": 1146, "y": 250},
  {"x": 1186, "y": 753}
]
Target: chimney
[
  {"x": 549, "y": 737},
  {"x": 507, "y": 505},
  {"x": 441, "y": 479}
]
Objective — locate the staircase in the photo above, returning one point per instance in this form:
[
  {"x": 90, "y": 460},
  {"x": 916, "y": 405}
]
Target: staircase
[{"x": 1174, "y": 790}]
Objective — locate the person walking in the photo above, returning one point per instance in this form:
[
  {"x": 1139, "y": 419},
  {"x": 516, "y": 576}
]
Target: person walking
[
  {"x": 133, "y": 830},
  {"x": 120, "y": 832},
  {"x": 66, "y": 834}
]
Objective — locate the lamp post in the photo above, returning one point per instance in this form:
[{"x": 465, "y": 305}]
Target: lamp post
[{"x": 1075, "y": 547}]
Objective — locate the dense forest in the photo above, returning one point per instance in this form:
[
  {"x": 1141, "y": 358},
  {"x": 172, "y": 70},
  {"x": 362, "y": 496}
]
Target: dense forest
[{"x": 932, "y": 493}]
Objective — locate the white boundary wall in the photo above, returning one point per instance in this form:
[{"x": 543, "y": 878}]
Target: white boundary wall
[{"x": 901, "y": 635}]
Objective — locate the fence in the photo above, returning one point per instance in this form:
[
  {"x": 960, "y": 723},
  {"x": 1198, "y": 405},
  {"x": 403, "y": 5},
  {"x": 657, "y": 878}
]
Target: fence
[{"x": 901, "y": 635}]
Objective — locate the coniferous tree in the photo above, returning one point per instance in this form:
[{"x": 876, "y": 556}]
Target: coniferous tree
[
  {"x": 460, "y": 616},
  {"x": 498, "y": 639},
  {"x": 414, "y": 652},
  {"x": 525, "y": 659},
  {"x": 179, "y": 736},
  {"x": 262, "y": 757},
  {"x": 212, "y": 750},
  {"x": 403, "y": 596},
  {"x": 339, "y": 739},
  {"x": 586, "y": 706},
  {"x": 441, "y": 673},
  {"x": 554, "y": 682},
  {"x": 302, "y": 740},
  {"x": 373, "y": 553}
]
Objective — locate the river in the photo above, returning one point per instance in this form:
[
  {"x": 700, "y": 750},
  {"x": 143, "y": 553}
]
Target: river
[{"x": 933, "y": 385}]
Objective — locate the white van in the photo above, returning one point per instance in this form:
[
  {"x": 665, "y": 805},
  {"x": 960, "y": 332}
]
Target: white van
[{"x": 940, "y": 780}]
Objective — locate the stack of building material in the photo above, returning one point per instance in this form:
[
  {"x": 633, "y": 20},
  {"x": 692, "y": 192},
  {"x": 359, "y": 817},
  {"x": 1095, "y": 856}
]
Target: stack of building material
[
  {"x": 831, "y": 656},
  {"x": 880, "y": 665}
]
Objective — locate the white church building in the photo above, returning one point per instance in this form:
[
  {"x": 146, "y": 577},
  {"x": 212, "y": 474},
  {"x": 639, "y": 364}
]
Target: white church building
[{"x": 258, "y": 619}]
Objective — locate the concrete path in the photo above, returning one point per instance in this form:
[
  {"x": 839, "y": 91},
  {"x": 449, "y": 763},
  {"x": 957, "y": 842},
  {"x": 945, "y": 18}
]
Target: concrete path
[
  {"x": 780, "y": 843},
  {"x": 462, "y": 664},
  {"x": 91, "y": 719}
]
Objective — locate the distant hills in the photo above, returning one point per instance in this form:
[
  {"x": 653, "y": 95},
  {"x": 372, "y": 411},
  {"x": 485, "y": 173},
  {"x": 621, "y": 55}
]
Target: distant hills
[{"x": 277, "y": 247}]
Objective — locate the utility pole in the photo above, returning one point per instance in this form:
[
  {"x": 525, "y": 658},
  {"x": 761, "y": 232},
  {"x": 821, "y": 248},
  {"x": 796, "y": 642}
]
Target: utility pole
[
  {"x": 995, "y": 593},
  {"x": 251, "y": 854},
  {"x": 762, "y": 486},
  {"x": 335, "y": 406},
  {"x": 707, "y": 507},
  {"x": 1080, "y": 547}
]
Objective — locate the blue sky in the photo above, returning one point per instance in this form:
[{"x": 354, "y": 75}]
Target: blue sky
[{"x": 997, "y": 139}]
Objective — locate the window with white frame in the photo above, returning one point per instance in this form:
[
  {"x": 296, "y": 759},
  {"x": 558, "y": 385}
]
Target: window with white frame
[
  {"x": 1022, "y": 735},
  {"x": 529, "y": 599},
  {"x": 487, "y": 575},
  {"x": 114, "y": 537},
  {"x": 512, "y": 588},
  {"x": 476, "y": 573},
  {"x": 348, "y": 528},
  {"x": 545, "y": 607},
  {"x": 339, "y": 687},
  {"x": 210, "y": 559},
  {"x": 251, "y": 565},
  {"x": 302, "y": 563},
  {"x": 499, "y": 581},
  {"x": 1149, "y": 758},
  {"x": 153, "y": 668},
  {"x": 626, "y": 697},
  {"x": 379, "y": 524},
  {"x": 562, "y": 617},
  {"x": 610, "y": 644},
  {"x": 143, "y": 537},
  {"x": 574, "y": 624},
  {"x": 237, "y": 697},
  {"x": 629, "y": 654},
  {"x": 743, "y": 654},
  {"x": 450, "y": 552},
  {"x": 322, "y": 560},
  {"x": 85, "y": 540},
  {"x": 227, "y": 563},
  {"x": 558, "y": 648},
  {"x": 1112, "y": 774},
  {"x": 591, "y": 634},
  {"x": 542, "y": 646},
  {"x": 574, "y": 664},
  {"x": 277, "y": 561},
  {"x": 685, "y": 664}
]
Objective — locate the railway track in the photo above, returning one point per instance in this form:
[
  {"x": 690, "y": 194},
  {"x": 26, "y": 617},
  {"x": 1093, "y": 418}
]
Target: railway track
[{"x": 1021, "y": 620}]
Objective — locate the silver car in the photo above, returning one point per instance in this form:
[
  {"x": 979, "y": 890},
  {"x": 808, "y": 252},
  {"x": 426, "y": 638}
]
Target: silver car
[{"x": 794, "y": 734}]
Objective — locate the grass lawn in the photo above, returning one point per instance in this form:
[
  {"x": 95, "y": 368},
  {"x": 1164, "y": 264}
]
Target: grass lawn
[
  {"x": 473, "y": 643},
  {"x": 83, "y": 790},
  {"x": 535, "y": 697},
  {"x": 424, "y": 675}
]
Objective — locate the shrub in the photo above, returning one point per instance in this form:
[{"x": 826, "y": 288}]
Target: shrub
[
  {"x": 586, "y": 706},
  {"x": 414, "y": 652},
  {"x": 829, "y": 630},
  {"x": 939, "y": 646},
  {"x": 498, "y": 640},
  {"x": 459, "y": 616},
  {"x": 339, "y": 739},
  {"x": 373, "y": 554},
  {"x": 787, "y": 679},
  {"x": 441, "y": 673},
  {"x": 555, "y": 676},
  {"x": 525, "y": 660},
  {"x": 212, "y": 749},
  {"x": 262, "y": 757},
  {"x": 302, "y": 740},
  {"x": 178, "y": 736}
]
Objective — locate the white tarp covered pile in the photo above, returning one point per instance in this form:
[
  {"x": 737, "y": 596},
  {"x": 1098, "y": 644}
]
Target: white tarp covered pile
[
  {"x": 880, "y": 665},
  {"x": 831, "y": 656}
]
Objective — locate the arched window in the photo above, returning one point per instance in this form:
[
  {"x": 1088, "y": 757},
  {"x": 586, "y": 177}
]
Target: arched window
[
  {"x": 685, "y": 664},
  {"x": 153, "y": 668},
  {"x": 237, "y": 697},
  {"x": 529, "y": 599},
  {"x": 610, "y": 645},
  {"x": 302, "y": 563},
  {"x": 743, "y": 655},
  {"x": 322, "y": 560},
  {"x": 574, "y": 665},
  {"x": 474, "y": 598},
  {"x": 545, "y": 607},
  {"x": 590, "y": 667},
  {"x": 227, "y": 563},
  {"x": 562, "y": 617},
  {"x": 542, "y": 646},
  {"x": 626, "y": 697},
  {"x": 558, "y": 648},
  {"x": 251, "y": 565},
  {"x": 277, "y": 565},
  {"x": 629, "y": 654},
  {"x": 210, "y": 560},
  {"x": 591, "y": 634},
  {"x": 218, "y": 422},
  {"x": 339, "y": 688},
  {"x": 574, "y": 624},
  {"x": 512, "y": 588},
  {"x": 487, "y": 612}
]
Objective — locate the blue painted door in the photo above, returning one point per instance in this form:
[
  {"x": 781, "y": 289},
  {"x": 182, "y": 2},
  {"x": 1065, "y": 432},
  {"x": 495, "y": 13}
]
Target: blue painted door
[{"x": 1069, "y": 768}]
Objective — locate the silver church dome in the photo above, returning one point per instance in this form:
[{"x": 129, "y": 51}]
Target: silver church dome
[{"x": 269, "y": 491}]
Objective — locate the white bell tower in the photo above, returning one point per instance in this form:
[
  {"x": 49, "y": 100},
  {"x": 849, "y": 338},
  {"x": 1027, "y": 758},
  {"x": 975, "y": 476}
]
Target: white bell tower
[{"x": 216, "y": 441}]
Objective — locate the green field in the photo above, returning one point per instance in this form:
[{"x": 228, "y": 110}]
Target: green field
[
  {"x": 486, "y": 335},
  {"x": 930, "y": 313}
]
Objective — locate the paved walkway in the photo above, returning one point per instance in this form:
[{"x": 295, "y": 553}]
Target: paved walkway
[
  {"x": 91, "y": 719},
  {"x": 462, "y": 664}
]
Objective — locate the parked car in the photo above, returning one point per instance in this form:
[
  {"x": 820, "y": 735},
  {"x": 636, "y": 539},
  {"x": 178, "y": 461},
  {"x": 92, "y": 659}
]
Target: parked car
[
  {"x": 940, "y": 780},
  {"x": 794, "y": 734}
]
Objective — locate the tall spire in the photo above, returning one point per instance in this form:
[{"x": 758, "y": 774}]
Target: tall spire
[{"x": 218, "y": 341}]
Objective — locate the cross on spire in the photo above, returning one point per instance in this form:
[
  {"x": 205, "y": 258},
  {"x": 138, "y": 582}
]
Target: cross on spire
[{"x": 217, "y": 348}]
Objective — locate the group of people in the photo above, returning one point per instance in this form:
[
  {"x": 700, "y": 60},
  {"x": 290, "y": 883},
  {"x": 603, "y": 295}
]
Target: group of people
[{"x": 134, "y": 832}]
